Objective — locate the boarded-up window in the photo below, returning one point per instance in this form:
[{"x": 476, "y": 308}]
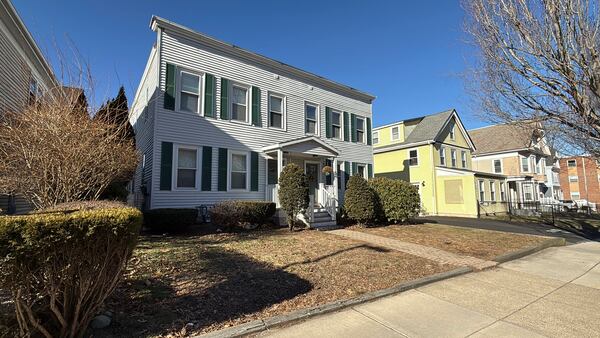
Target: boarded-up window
[{"x": 453, "y": 191}]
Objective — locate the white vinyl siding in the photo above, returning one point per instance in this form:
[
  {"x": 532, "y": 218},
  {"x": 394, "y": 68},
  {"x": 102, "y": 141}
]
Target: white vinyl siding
[{"x": 189, "y": 128}]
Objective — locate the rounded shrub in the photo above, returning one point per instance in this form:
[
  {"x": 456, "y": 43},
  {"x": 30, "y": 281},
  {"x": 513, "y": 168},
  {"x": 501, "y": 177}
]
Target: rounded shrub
[
  {"x": 171, "y": 220},
  {"x": 293, "y": 192},
  {"x": 360, "y": 201},
  {"x": 60, "y": 266},
  {"x": 398, "y": 201}
]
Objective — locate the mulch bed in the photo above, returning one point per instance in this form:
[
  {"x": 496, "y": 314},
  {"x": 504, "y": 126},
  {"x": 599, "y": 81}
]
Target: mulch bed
[{"x": 484, "y": 244}]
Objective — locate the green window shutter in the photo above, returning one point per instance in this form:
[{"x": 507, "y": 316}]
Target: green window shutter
[
  {"x": 346, "y": 173},
  {"x": 206, "y": 168},
  {"x": 369, "y": 133},
  {"x": 166, "y": 165},
  {"x": 209, "y": 96},
  {"x": 222, "y": 179},
  {"x": 370, "y": 170},
  {"x": 346, "y": 125},
  {"x": 354, "y": 168},
  {"x": 170, "y": 87},
  {"x": 253, "y": 171},
  {"x": 256, "y": 119},
  {"x": 224, "y": 99},
  {"x": 328, "y": 122},
  {"x": 353, "y": 127}
]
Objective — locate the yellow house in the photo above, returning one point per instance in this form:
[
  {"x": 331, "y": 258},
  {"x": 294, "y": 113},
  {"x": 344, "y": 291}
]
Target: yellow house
[{"x": 433, "y": 153}]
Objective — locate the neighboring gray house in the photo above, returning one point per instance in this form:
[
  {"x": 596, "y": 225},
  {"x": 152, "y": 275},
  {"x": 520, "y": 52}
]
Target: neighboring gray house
[
  {"x": 24, "y": 76},
  {"x": 215, "y": 122}
]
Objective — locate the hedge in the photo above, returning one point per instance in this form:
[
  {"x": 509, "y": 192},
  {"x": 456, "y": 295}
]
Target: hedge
[
  {"x": 230, "y": 214},
  {"x": 170, "y": 219},
  {"x": 60, "y": 266},
  {"x": 360, "y": 201},
  {"x": 398, "y": 201}
]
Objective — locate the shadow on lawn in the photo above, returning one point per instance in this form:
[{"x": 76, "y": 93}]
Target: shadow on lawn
[
  {"x": 225, "y": 285},
  {"x": 586, "y": 226}
]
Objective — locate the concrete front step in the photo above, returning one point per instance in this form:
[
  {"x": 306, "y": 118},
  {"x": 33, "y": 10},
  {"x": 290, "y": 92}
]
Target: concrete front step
[{"x": 325, "y": 224}]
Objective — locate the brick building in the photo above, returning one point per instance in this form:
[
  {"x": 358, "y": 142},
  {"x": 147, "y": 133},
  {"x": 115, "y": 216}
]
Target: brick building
[{"x": 580, "y": 178}]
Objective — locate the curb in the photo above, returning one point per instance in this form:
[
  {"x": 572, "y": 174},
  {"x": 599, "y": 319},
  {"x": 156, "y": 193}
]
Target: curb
[
  {"x": 555, "y": 241},
  {"x": 295, "y": 316}
]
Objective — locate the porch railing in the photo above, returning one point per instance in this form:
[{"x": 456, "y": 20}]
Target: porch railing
[
  {"x": 329, "y": 201},
  {"x": 272, "y": 194}
]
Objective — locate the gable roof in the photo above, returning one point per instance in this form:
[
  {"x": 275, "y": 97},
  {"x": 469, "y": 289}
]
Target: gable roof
[
  {"x": 261, "y": 60},
  {"x": 428, "y": 129},
  {"x": 502, "y": 137},
  {"x": 301, "y": 140}
]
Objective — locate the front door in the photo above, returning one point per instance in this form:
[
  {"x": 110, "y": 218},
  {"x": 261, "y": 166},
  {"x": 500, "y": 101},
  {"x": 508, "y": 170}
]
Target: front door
[{"x": 312, "y": 176}]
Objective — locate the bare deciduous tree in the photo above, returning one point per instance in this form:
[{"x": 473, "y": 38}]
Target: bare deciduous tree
[
  {"x": 51, "y": 153},
  {"x": 540, "y": 61}
]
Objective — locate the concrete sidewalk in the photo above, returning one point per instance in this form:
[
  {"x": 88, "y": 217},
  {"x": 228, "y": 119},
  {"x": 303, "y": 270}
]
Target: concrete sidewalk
[{"x": 554, "y": 293}]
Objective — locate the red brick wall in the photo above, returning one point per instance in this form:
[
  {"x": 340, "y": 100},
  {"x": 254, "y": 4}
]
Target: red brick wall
[{"x": 591, "y": 178}]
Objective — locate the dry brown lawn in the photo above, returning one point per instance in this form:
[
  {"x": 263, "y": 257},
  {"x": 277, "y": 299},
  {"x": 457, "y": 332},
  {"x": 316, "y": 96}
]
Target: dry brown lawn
[
  {"x": 484, "y": 244},
  {"x": 219, "y": 280}
]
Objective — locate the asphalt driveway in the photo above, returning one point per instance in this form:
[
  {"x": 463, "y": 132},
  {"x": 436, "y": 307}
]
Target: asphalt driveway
[
  {"x": 554, "y": 293},
  {"x": 528, "y": 228}
]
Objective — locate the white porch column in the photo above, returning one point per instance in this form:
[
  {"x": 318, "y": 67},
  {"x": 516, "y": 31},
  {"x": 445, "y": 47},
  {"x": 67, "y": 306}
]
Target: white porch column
[
  {"x": 335, "y": 178},
  {"x": 279, "y": 163}
]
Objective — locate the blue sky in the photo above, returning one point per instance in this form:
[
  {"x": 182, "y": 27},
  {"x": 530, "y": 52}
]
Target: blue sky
[{"x": 410, "y": 54}]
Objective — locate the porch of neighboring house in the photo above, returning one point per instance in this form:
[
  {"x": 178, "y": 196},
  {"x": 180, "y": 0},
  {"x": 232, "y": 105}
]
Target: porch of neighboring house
[{"x": 325, "y": 190}]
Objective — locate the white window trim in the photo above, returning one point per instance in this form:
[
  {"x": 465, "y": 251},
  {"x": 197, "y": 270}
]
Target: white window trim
[
  {"x": 453, "y": 133},
  {"x": 392, "y": 133},
  {"x": 248, "y": 103},
  {"x": 494, "y": 166},
  {"x": 341, "y": 125},
  {"x": 175, "y": 166},
  {"x": 443, "y": 155},
  {"x": 492, "y": 191},
  {"x": 568, "y": 166},
  {"x": 408, "y": 157},
  {"x": 283, "y": 110},
  {"x": 230, "y": 154},
  {"x": 364, "y": 140},
  {"x": 364, "y": 171},
  {"x": 201, "y": 88},
  {"x": 532, "y": 192},
  {"x": 576, "y": 178},
  {"x": 502, "y": 192},
  {"x": 317, "y": 118},
  {"x": 521, "y": 164},
  {"x": 481, "y": 186},
  {"x": 464, "y": 162},
  {"x": 373, "y": 137},
  {"x": 453, "y": 158},
  {"x": 578, "y": 195}
]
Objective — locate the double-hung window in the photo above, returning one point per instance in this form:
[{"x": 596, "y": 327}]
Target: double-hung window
[
  {"x": 502, "y": 192},
  {"x": 413, "y": 157},
  {"x": 187, "y": 166},
  {"x": 525, "y": 164},
  {"x": 452, "y": 134},
  {"x": 395, "y": 133},
  {"x": 481, "y": 191},
  {"x": 492, "y": 191},
  {"x": 360, "y": 130},
  {"x": 276, "y": 111},
  {"x": 239, "y": 103},
  {"x": 238, "y": 170},
  {"x": 189, "y": 95},
  {"x": 463, "y": 158},
  {"x": 575, "y": 195},
  {"x": 442, "y": 155},
  {"x": 528, "y": 192},
  {"x": 453, "y": 157},
  {"x": 573, "y": 178},
  {"x": 375, "y": 137},
  {"x": 498, "y": 166},
  {"x": 571, "y": 163},
  {"x": 310, "y": 112},
  {"x": 360, "y": 170},
  {"x": 336, "y": 124}
]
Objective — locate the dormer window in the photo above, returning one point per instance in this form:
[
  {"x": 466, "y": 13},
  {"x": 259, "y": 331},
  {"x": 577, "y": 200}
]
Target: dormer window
[{"x": 395, "y": 133}]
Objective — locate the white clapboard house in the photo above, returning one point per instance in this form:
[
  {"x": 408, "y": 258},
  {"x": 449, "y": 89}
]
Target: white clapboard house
[{"x": 216, "y": 122}]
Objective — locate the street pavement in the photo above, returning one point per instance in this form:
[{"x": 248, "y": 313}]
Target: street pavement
[{"x": 553, "y": 293}]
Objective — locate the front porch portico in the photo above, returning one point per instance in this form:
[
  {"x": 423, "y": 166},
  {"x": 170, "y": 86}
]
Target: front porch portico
[{"x": 311, "y": 154}]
